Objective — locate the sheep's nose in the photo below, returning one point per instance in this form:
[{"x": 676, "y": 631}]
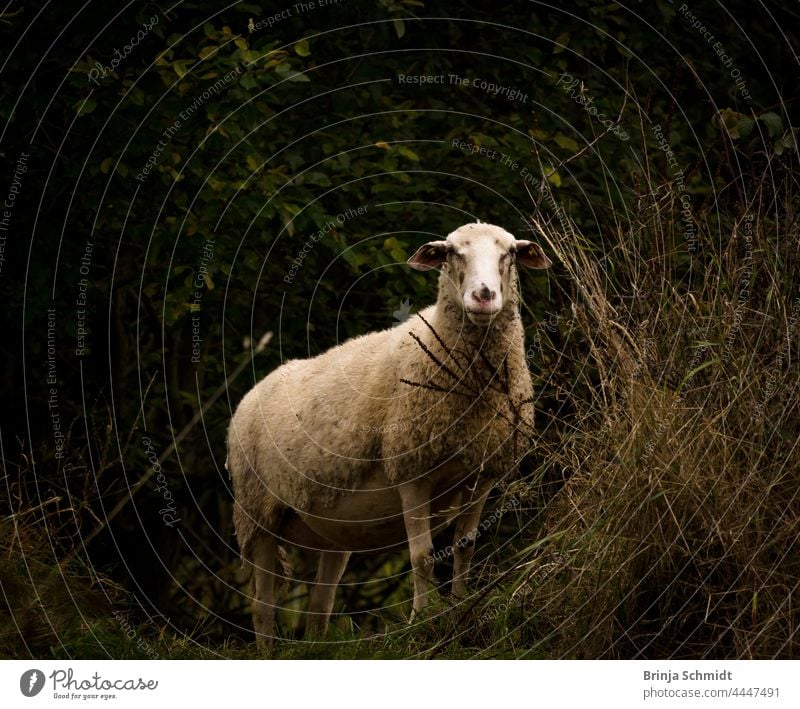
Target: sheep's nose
[{"x": 484, "y": 295}]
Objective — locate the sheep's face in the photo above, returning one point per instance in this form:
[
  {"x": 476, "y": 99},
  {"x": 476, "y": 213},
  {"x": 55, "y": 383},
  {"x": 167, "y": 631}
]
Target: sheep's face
[{"x": 479, "y": 260}]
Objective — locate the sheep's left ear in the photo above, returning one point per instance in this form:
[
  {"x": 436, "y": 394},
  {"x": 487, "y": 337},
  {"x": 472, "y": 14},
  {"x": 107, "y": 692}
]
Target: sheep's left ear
[
  {"x": 531, "y": 255},
  {"x": 431, "y": 255}
]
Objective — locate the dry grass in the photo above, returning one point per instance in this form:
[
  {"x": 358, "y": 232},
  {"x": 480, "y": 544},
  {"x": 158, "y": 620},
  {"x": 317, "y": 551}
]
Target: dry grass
[{"x": 675, "y": 528}]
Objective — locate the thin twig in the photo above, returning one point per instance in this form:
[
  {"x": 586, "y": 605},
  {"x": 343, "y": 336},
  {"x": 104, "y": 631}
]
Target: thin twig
[
  {"x": 434, "y": 358},
  {"x": 450, "y": 350},
  {"x": 436, "y": 387}
]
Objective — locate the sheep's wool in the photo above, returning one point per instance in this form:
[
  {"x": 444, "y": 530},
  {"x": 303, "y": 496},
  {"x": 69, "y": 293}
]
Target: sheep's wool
[{"x": 401, "y": 401}]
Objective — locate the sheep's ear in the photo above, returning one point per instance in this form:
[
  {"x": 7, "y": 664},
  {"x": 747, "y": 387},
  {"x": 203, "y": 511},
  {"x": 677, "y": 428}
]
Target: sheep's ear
[
  {"x": 531, "y": 255},
  {"x": 431, "y": 255}
]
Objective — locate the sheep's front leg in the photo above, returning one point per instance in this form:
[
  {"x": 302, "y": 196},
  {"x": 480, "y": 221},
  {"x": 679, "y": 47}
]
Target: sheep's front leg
[
  {"x": 329, "y": 573},
  {"x": 264, "y": 555},
  {"x": 466, "y": 535},
  {"x": 416, "y": 500}
]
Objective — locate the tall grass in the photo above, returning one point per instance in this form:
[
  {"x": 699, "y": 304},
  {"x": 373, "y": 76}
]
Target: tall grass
[{"x": 673, "y": 532}]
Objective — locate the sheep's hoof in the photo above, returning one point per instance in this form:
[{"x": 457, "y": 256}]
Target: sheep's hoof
[{"x": 459, "y": 593}]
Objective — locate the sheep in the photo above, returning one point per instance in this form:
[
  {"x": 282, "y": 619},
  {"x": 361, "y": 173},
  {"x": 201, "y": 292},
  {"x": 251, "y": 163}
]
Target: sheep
[{"x": 385, "y": 439}]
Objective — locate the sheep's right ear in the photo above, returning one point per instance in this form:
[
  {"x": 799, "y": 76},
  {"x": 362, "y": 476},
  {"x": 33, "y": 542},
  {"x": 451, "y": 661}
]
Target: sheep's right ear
[
  {"x": 431, "y": 255},
  {"x": 531, "y": 255}
]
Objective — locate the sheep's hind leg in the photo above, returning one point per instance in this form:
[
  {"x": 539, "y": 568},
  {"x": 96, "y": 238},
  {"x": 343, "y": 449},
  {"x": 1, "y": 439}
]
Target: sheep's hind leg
[
  {"x": 329, "y": 573},
  {"x": 466, "y": 535},
  {"x": 416, "y": 499},
  {"x": 264, "y": 562}
]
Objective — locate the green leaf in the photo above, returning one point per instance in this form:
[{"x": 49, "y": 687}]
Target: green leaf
[
  {"x": 564, "y": 141},
  {"x": 136, "y": 96},
  {"x": 730, "y": 121},
  {"x": 248, "y": 82},
  {"x": 293, "y": 75},
  {"x": 352, "y": 258},
  {"x": 86, "y": 107},
  {"x": 302, "y": 49},
  {"x": 786, "y": 142},
  {"x": 773, "y": 122},
  {"x": 318, "y": 178},
  {"x": 399, "y": 26},
  {"x": 407, "y": 152},
  {"x": 162, "y": 58},
  {"x": 561, "y": 43},
  {"x": 744, "y": 127},
  {"x": 697, "y": 369},
  {"x": 181, "y": 67},
  {"x": 789, "y": 139}
]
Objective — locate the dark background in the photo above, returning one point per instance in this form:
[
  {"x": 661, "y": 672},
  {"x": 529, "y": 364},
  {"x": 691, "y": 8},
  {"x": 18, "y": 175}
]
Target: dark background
[{"x": 315, "y": 122}]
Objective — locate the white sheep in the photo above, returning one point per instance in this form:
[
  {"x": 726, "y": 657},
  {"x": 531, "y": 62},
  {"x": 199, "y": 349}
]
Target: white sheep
[{"x": 388, "y": 437}]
